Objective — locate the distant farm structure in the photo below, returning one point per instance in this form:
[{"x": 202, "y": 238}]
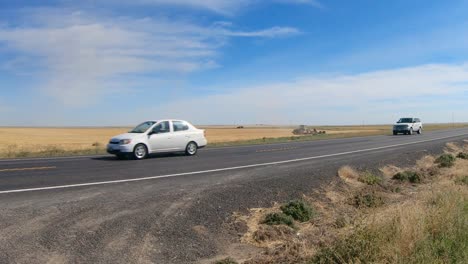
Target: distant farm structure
[{"x": 304, "y": 130}]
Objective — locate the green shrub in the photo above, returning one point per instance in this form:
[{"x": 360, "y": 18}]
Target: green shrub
[
  {"x": 415, "y": 178},
  {"x": 225, "y": 261},
  {"x": 299, "y": 210},
  {"x": 369, "y": 178},
  {"x": 410, "y": 176},
  {"x": 445, "y": 160},
  {"x": 462, "y": 155},
  {"x": 368, "y": 200},
  {"x": 278, "y": 219},
  {"x": 401, "y": 176}
]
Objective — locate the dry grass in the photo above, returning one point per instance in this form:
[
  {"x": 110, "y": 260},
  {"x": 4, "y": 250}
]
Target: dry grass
[
  {"x": 27, "y": 141},
  {"x": 17, "y": 141},
  {"x": 422, "y": 223}
]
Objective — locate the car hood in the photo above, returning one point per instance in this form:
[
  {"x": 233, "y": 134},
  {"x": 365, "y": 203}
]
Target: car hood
[
  {"x": 126, "y": 136},
  {"x": 403, "y": 124}
]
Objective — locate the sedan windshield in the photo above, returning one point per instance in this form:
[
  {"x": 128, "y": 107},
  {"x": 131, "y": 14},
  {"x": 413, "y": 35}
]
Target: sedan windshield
[
  {"x": 405, "y": 120},
  {"x": 141, "y": 128}
]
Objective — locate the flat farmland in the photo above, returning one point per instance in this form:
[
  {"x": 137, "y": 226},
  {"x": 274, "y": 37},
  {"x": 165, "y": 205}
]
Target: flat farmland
[{"x": 49, "y": 141}]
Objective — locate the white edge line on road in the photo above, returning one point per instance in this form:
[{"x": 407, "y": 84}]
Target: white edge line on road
[{"x": 221, "y": 169}]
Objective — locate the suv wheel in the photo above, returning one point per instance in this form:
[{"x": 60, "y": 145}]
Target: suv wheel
[
  {"x": 410, "y": 131},
  {"x": 140, "y": 152},
  {"x": 420, "y": 131},
  {"x": 191, "y": 148}
]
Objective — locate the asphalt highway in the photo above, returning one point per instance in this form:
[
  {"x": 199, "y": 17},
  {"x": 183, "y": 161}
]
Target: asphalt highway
[
  {"x": 173, "y": 208},
  {"x": 43, "y": 174}
]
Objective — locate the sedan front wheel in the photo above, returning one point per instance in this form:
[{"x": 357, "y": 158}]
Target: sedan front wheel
[{"x": 140, "y": 151}]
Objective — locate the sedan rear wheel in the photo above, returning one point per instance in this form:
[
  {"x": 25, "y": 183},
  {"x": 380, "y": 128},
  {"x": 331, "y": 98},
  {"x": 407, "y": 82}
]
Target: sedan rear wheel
[
  {"x": 191, "y": 149},
  {"x": 140, "y": 151}
]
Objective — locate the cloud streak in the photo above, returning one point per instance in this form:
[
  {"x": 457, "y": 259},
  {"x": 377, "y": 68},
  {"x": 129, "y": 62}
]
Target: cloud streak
[
  {"x": 81, "y": 57},
  {"x": 377, "y": 97},
  {"x": 223, "y": 7}
]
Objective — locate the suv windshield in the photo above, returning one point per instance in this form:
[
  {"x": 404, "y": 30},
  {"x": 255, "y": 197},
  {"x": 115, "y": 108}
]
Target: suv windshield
[
  {"x": 405, "y": 120},
  {"x": 141, "y": 128}
]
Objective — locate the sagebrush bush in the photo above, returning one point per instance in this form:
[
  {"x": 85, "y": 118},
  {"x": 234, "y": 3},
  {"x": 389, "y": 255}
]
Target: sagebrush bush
[
  {"x": 299, "y": 210},
  {"x": 445, "y": 160},
  {"x": 278, "y": 219},
  {"x": 368, "y": 200},
  {"x": 462, "y": 155},
  {"x": 410, "y": 176},
  {"x": 369, "y": 178}
]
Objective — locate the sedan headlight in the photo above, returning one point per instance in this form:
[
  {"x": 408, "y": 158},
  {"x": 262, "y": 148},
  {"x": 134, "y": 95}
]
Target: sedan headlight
[{"x": 125, "y": 141}]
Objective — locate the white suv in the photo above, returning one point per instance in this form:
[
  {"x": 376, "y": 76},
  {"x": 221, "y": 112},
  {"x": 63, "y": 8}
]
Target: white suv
[
  {"x": 158, "y": 137},
  {"x": 408, "y": 126}
]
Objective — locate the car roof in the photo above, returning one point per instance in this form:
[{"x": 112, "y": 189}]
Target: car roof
[{"x": 161, "y": 120}]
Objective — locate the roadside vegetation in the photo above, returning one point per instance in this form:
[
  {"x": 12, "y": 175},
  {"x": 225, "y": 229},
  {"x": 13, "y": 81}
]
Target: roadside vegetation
[
  {"x": 15, "y": 151},
  {"x": 417, "y": 214}
]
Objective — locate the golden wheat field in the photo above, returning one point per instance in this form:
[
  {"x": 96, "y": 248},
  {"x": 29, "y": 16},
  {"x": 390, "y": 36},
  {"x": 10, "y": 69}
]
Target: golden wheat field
[
  {"x": 31, "y": 139},
  {"x": 84, "y": 138}
]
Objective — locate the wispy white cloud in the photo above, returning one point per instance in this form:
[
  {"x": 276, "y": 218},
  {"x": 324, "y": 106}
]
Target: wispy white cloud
[
  {"x": 268, "y": 33},
  {"x": 224, "y": 7},
  {"x": 314, "y": 3},
  {"x": 376, "y": 97},
  {"x": 81, "y": 57}
]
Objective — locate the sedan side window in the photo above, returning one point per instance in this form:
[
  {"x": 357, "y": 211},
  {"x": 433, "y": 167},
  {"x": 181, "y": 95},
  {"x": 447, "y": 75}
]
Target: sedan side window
[
  {"x": 179, "y": 126},
  {"x": 162, "y": 127}
]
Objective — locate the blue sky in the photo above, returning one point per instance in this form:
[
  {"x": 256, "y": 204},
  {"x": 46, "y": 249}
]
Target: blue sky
[{"x": 118, "y": 62}]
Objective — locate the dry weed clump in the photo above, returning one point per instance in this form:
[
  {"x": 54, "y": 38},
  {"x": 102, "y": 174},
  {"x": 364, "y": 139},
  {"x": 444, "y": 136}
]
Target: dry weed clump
[{"x": 389, "y": 171}]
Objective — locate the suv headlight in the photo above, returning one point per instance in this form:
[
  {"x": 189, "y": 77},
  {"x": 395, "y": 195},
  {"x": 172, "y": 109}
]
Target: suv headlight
[{"x": 125, "y": 141}]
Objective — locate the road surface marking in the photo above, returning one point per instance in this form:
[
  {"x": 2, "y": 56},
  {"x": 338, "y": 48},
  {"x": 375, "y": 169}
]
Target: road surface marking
[
  {"x": 221, "y": 169},
  {"x": 28, "y": 169}
]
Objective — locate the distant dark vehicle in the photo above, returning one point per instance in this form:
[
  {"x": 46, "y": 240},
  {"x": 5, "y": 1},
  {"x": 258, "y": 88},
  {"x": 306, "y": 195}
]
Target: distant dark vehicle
[{"x": 240, "y": 127}]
